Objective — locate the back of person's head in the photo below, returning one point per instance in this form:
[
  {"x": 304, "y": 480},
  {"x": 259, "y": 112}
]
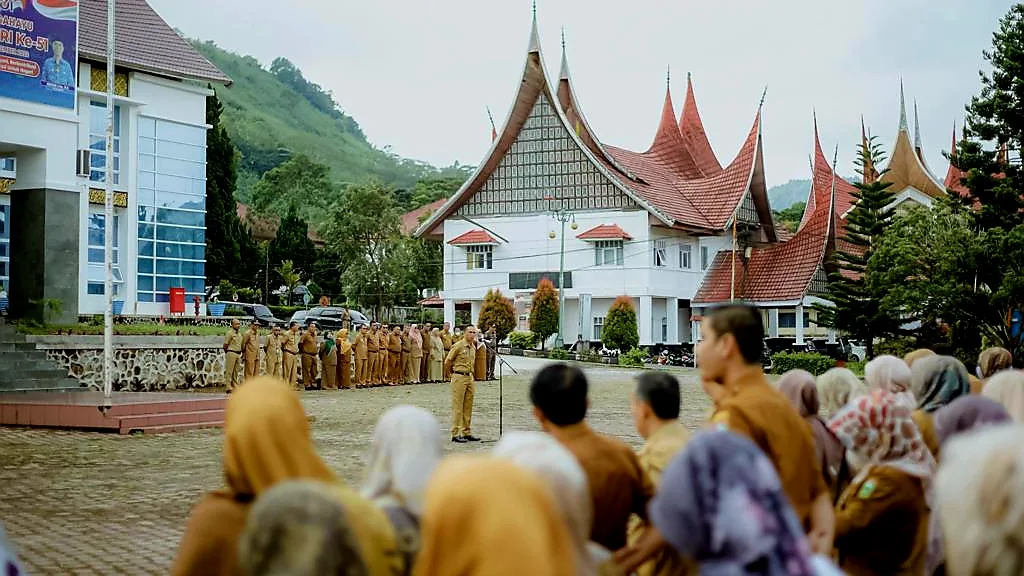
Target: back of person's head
[
  {"x": 888, "y": 373},
  {"x": 994, "y": 360},
  {"x": 938, "y": 380},
  {"x": 836, "y": 387},
  {"x": 916, "y": 355},
  {"x": 1007, "y": 388},
  {"x": 744, "y": 324},
  {"x": 559, "y": 392},
  {"x": 659, "y": 390},
  {"x": 980, "y": 496},
  {"x": 299, "y": 528}
]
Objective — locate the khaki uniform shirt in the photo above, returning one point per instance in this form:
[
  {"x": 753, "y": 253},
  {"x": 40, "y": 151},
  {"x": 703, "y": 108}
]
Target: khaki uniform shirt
[
  {"x": 273, "y": 346},
  {"x": 308, "y": 343},
  {"x": 233, "y": 341},
  {"x": 461, "y": 358},
  {"x": 251, "y": 343},
  {"x": 760, "y": 412},
  {"x": 395, "y": 343},
  {"x": 654, "y": 457},
  {"x": 372, "y": 342},
  {"x": 360, "y": 346},
  {"x": 289, "y": 342},
  {"x": 446, "y": 339}
]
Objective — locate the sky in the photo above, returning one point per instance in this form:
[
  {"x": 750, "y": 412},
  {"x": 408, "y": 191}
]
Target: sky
[{"x": 418, "y": 76}]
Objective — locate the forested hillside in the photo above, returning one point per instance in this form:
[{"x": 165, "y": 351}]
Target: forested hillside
[{"x": 275, "y": 113}]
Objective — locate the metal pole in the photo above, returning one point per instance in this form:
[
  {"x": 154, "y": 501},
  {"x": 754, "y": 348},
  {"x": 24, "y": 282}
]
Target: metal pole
[
  {"x": 560, "y": 340},
  {"x": 108, "y": 218}
]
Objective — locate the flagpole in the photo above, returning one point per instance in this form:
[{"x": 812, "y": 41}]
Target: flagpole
[{"x": 108, "y": 218}]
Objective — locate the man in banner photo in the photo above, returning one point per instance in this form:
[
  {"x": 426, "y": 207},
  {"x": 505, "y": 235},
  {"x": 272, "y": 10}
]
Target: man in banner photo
[{"x": 39, "y": 51}]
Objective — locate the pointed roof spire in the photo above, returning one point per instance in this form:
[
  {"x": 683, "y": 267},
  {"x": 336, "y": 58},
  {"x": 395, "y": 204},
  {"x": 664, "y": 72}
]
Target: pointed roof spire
[
  {"x": 563, "y": 73},
  {"x": 917, "y": 129},
  {"x": 692, "y": 129},
  {"x": 534, "y": 34},
  {"x": 952, "y": 147},
  {"x": 669, "y": 147},
  {"x": 903, "y": 109},
  {"x": 668, "y": 75}
]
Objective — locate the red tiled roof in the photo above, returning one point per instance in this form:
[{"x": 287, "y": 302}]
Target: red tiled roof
[
  {"x": 668, "y": 147},
  {"x": 144, "y": 42},
  {"x": 476, "y": 236},
  {"x": 411, "y": 220},
  {"x": 605, "y": 232},
  {"x": 954, "y": 176},
  {"x": 822, "y": 185},
  {"x": 692, "y": 129}
]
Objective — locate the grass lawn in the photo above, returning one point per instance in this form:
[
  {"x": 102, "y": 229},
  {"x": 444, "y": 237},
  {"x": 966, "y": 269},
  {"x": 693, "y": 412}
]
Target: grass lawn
[{"x": 151, "y": 329}]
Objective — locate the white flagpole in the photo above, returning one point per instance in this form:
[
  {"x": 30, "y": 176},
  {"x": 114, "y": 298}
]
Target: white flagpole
[{"x": 108, "y": 218}]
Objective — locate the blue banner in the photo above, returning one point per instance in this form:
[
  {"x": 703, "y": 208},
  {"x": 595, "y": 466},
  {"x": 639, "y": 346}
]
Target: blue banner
[{"x": 39, "y": 51}]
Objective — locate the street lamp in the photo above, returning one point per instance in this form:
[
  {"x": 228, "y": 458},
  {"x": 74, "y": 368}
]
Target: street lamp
[{"x": 562, "y": 215}]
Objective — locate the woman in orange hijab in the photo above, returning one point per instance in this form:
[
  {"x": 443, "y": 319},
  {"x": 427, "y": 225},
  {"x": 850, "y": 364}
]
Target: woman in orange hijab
[
  {"x": 266, "y": 442},
  {"x": 489, "y": 517}
]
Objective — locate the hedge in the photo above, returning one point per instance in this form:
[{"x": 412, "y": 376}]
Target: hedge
[
  {"x": 523, "y": 340},
  {"x": 816, "y": 364},
  {"x": 558, "y": 354},
  {"x": 284, "y": 312},
  {"x": 857, "y": 368},
  {"x": 635, "y": 358}
]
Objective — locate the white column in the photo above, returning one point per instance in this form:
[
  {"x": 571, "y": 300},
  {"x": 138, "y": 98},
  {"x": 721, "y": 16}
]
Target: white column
[
  {"x": 773, "y": 322},
  {"x": 474, "y": 311},
  {"x": 449, "y": 311},
  {"x": 831, "y": 335},
  {"x": 799, "y": 325},
  {"x": 586, "y": 317},
  {"x": 645, "y": 320},
  {"x": 672, "y": 313}
]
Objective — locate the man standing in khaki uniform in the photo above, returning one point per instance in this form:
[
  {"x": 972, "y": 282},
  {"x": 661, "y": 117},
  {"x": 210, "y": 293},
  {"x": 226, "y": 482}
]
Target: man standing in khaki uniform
[
  {"x": 273, "y": 352},
  {"x": 251, "y": 350},
  {"x": 447, "y": 341},
  {"x": 233, "y": 356},
  {"x": 372, "y": 355},
  {"x": 309, "y": 349},
  {"x": 290, "y": 347},
  {"x": 394, "y": 355},
  {"x": 460, "y": 362},
  {"x": 361, "y": 355},
  {"x": 382, "y": 351}
]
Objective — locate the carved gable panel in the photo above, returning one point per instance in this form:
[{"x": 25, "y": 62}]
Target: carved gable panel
[{"x": 544, "y": 161}]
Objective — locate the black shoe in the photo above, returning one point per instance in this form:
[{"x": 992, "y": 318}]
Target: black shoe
[
  {"x": 468, "y": 438},
  {"x": 459, "y": 439}
]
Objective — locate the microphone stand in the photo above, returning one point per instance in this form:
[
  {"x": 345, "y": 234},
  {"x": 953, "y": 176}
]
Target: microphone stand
[{"x": 501, "y": 364}]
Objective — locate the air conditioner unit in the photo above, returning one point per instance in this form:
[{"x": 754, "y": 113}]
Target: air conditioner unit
[
  {"x": 83, "y": 163},
  {"x": 428, "y": 292}
]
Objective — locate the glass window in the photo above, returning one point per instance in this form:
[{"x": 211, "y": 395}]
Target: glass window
[
  {"x": 704, "y": 258},
  {"x": 664, "y": 329},
  {"x": 176, "y": 234},
  {"x": 145, "y": 296},
  {"x": 147, "y": 231},
  {"x": 608, "y": 253},
  {"x": 598, "y": 326},
  {"x": 180, "y": 218},
  {"x": 97, "y": 242},
  {"x": 479, "y": 257},
  {"x": 95, "y": 288},
  {"x": 660, "y": 253},
  {"x": 684, "y": 255},
  {"x": 98, "y": 142},
  {"x": 145, "y": 265}
]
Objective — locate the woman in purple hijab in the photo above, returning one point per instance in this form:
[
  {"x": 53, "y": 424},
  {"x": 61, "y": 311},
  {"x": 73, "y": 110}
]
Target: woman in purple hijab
[
  {"x": 721, "y": 505},
  {"x": 968, "y": 413},
  {"x": 801, "y": 389}
]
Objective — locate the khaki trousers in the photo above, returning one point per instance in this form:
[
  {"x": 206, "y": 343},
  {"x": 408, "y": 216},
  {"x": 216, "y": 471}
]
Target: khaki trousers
[
  {"x": 290, "y": 370},
  {"x": 372, "y": 368},
  {"x": 394, "y": 371},
  {"x": 274, "y": 364},
  {"x": 381, "y": 375},
  {"x": 360, "y": 371},
  {"x": 412, "y": 370},
  {"x": 462, "y": 404},
  {"x": 232, "y": 370},
  {"x": 252, "y": 365},
  {"x": 308, "y": 371}
]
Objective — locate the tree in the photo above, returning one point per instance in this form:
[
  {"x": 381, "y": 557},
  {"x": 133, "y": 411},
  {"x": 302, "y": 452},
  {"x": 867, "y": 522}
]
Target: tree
[
  {"x": 289, "y": 276},
  {"x": 292, "y": 243},
  {"x": 431, "y": 189},
  {"x": 544, "y": 311},
  {"x": 620, "y": 331},
  {"x": 790, "y": 217},
  {"x": 297, "y": 184},
  {"x": 363, "y": 230},
  {"x": 856, "y": 298},
  {"x": 499, "y": 312},
  {"x": 229, "y": 245}
]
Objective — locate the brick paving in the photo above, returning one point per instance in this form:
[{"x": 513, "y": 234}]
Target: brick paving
[{"x": 94, "y": 503}]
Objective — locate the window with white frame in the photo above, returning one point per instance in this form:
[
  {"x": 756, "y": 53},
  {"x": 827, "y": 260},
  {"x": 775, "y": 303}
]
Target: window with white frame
[
  {"x": 98, "y": 142},
  {"x": 598, "y": 326},
  {"x": 479, "y": 257},
  {"x": 684, "y": 255},
  {"x": 97, "y": 270},
  {"x": 661, "y": 253},
  {"x": 608, "y": 253},
  {"x": 704, "y": 258}
]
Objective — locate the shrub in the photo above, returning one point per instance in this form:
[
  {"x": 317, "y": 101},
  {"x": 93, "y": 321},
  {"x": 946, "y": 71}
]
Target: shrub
[
  {"x": 226, "y": 291},
  {"x": 524, "y": 340},
  {"x": 248, "y": 295},
  {"x": 284, "y": 312},
  {"x": 589, "y": 355},
  {"x": 857, "y": 368},
  {"x": 558, "y": 354},
  {"x": 620, "y": 331},
  {"x": 544, "y": 311},
  {"x": 898, "y": 347},
  {"x": 816, "y": 364},
  {"x": 635, "y": 357},
  {"x": 499, "y": 312}
]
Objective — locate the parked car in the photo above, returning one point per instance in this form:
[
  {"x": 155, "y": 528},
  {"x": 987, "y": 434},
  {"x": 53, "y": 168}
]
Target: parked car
[
  {"x": 329, "y": 318},
  {"x": 299, "y": 316},
  {"x": 261, "y": 313}
]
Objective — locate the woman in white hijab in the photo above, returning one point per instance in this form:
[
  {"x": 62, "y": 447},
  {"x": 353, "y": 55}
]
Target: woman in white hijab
[
  {"x": 891, "y": 374},
  {"x": 406, "y": 448},
  {"x": 542, "y": 454}
]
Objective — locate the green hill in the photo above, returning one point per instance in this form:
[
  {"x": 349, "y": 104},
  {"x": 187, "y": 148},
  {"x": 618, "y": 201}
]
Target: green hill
[
  {"x": 785, "y": 195},
  {"x": 273, "y": 113}
]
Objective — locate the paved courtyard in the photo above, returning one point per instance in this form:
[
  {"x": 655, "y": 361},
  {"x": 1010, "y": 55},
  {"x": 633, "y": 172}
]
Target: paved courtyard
[{"x": 90, "y": 503}]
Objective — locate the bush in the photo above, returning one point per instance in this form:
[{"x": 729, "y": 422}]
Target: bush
[
  {"x": 635, "y": 357},
  {"x": 589, "y": 355},
  {"x": 857, "y": 368},
  {"x": 522, "y": 340},
  {"x": 620, "y": 331},
  {"x": 284, "y": 312},
  {"x": 558, "y": 354},
  {"x": 248, "y": 295},
  {"x": 898, "y": 347},
  {"x": 544, "y": 310},
  {"x": 816, "y": 364},
  {"x": 226, "y": 291}
]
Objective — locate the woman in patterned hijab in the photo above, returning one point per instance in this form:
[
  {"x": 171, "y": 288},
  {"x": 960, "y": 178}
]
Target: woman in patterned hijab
[{"x": 721, "y": 504}]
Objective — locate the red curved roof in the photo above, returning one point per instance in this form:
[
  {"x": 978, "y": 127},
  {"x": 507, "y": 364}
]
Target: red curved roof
[
  {"x": 605, "y": 232},
  {"x": 692, "y": 130},
  {"x": 668, "y": 147},
  {"x": 954, "y": 176}
]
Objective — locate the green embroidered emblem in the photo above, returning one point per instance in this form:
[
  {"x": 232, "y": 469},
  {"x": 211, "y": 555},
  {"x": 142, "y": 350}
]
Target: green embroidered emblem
[{"x": 866, "y": 489}]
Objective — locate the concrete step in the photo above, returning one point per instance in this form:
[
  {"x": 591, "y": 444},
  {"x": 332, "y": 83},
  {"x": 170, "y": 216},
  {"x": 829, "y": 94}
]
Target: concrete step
[
  {"x": 177, "y": 427},
  {"x": 40, "y": 384},
  {"x": 17, "y": 347},
  {"x": 51, "y": 373},
  {"x": 198, "y": 403},
  {"x": 15, "y": 363},
  {"x": 143, "y": 421}
]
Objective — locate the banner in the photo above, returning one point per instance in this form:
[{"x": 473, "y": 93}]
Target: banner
[{"x": 39, "y": 51}]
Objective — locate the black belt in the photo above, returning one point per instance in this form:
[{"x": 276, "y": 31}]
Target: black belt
[
  {"x": 461, "y": 373},
  {"x": 289, "y": 352},
  {"x": 310, "y": 353},
  {"x": 235, "y": 351}
]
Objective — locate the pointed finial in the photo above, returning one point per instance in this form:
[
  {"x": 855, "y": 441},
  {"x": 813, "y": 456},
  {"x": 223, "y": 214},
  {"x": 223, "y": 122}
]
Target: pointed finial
[
  {"x": 688, "y": 76},
  {"x": 563, "y": 73},
  {"x": 563, "y": 38},
  {"x": 763, "y": 95},
  {"x": 534, "y": 34},
  {"x": 903, "y": 109},
  {"x": 835, "y": 158},
  {"x": 814, "y": 116},
  {"x": 917, "y": 127},
  {"x": 534, "y": 9},
  {"x": 668, "y": 74}
]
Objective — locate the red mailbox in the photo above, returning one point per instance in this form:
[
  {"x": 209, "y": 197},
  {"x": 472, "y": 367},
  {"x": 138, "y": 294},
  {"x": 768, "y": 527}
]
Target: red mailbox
[{"x": 177, "y": 301}]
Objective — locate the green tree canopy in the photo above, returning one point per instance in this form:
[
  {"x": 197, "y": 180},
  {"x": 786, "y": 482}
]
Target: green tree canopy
[
  {"x": 790, "y": 217},
  {"x": 499, "y": 312},
  {"x": 292, "y": 243},
  {"x": 620, "y": 330},
  {"x": 544, "y": 311},
  {"x": 297, "y": 184}
]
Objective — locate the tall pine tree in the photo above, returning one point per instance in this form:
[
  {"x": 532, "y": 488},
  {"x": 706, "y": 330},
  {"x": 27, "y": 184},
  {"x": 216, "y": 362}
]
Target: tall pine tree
[
  {"x": 292, "y": 243},
  {"x": 856, "y": 299}
]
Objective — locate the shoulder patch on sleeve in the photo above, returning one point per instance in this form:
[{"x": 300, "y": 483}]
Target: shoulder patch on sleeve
[
  {"x": 867, "y": 489},
  {"x": 720, "y": 420}
]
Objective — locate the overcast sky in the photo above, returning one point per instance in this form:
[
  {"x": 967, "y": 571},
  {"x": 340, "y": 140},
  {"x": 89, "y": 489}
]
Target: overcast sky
[{"x": 418, "y": 75}]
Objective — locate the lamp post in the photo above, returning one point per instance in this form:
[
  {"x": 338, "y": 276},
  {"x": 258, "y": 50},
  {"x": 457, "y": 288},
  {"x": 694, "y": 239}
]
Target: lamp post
[
  {"x": 563, "y": 216},
  {"x": 108, "y": 218}
]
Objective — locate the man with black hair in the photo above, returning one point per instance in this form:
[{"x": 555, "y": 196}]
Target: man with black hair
[
  {"x": 618, "y": 485},
  {"x": 730, "y": 356}
]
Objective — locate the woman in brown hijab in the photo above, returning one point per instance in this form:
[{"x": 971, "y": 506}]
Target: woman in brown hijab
[
  {"x": 801, "y": 389},
  {"x": 480, "y": 361},
  {"x": 344, "y": 359},
  {"x": 990, "y": 362},
  {"x": 488, "y": 517},
  {"x": 267, "y": 442}
]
